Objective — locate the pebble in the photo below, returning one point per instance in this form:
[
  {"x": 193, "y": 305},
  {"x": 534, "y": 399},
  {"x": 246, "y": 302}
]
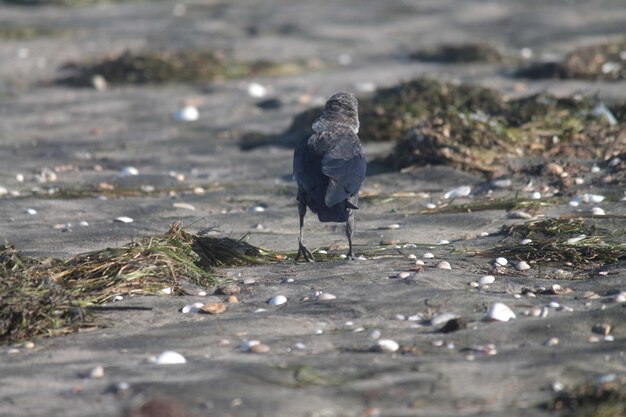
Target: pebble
[
  {"x": 187, "y": 114},
  {"x": 325, "y": 297},
  {"x": 29, "y": 345},
  {"x": 256, "y": 90},
  {"x": 97, "y": 372},
  {"x": 500, "y": 312},
  {"x": 501, "y": 261},
  {"x": 522, "y": 266},
  {"x": 595, "y": 169},
  {"x": 259, "y": 348},
  {"x": 462, "y": 191},
  {"x": 124, "y": 219},
  {"x": 249, "y": 281},
  {"x": 375, "y": 334},
  {"x": 232, "y": 299},
  {"x": 598, "y": 211},
  {"x": 474, "y": 284},
  {"x": 166, "y": 290},
  {"x": 441, "y": 319},
  {"x": 483, "y": 234},
  {"x": 412, "y": 257},
  {"x": 385, "y": 345},
  {"x": 552, "y": 168},
  {"x": 191, "y": 308},
  {"x": 428, "y": 255},
  {"x": 170, "y": 357},
  {"x": 3, "y": 191},
  {"x": 212, "y": 308},
  {"x": 83, "y": 223},
  {"x": 620, "y": 298},
  {"x": 557, "y": 386},
  {"x": 118, "y": 298},
  {"x": 443, "y": 265},
  {"x": 486, "y": 280},
  {"x": 260, "y": 310},
  {"x": 419, "y": 262},
  {"x": 539, "y": 312},
  {"x": 258, "y": 209},
  {"x": 277, "y": 300},
  {"x": 525, "y": 241},
  {"x": 128, "y": 171},
  {"x": 322, "y": 252},
  {"x": 554, "y": 304}
]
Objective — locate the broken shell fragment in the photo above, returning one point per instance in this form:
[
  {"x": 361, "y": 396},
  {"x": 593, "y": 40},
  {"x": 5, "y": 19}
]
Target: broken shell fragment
[{"x": 500, "y": 312}]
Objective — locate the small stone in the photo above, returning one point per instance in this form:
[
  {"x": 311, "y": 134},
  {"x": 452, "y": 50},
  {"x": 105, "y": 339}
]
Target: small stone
[
  {"x": 539, "y": 312},
  {"x": 431, "y": 206},
  {"x": 553, "y": 341},
  {"x": 609, "y": 338},
  {"x": 167, "y": 291},
  {"x": 375, "y": 334},
  {"x": 442, "y": 318},
  {"x": 501, "y": 261},
  {"x": 419, "y": 262},
  {"x": 187, "y": 114},
  {"x": 412, "y": 257},
  {"x": 191, "y": 308},
  {"x": 97, "y": 372},
  {"x": 486, "y": 280},
  {"x": 277, "y": 300},
  {"x": 522, "y": 266},
  {"x": 483, "y": 234},
  {"x": 443, "y": 265},
  {"x": 123, "y": 219},
  {"x": 212, "y": 308},
  {"x": 594, "y": 339},
  {"x": 557, "y": 386},
  {"x": 525, "y": 241},
  {"x": 259, "y": 348},
  {"x": 29, "y": 345},
  {"x": 170, "y": 358},
  {"x": 620, "y": 298},
  {"x": 385, "y": 345},
  {"x": 228, "y": 289},
  {"x": 83, "y": 223},
  {"x": 31, "y": 211},
  {"x": 502, "y": 183},
  {"x": 574, "y": 240},
  {"x": 500, "y": 312},
  {"x": 248, "y": 281},
  {"x": 535, "y": 195},
  {"x": 552, "y": 168},
  {"x": 232, "y": 299},
  {"x": 554, "y": 304},
  {"x": 474, "y": 284},
  {"x": 247, "y": 345},
  {"x": 256, "y": 90},
  {"x": 428, "y": 255},
  {"x": 325, "y": 297}
]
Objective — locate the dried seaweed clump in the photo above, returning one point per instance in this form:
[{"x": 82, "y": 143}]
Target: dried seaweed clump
[
  {"x": 43, "y": 296},
  {"x": 566, "y": 242},
  {"x": 606, "y": 399},
  {"x": 31, "y": 305},
  {"x": 605, "y": 61},
  {"x": 185, "y": 65},
  {"x": 458, "y": 53}
]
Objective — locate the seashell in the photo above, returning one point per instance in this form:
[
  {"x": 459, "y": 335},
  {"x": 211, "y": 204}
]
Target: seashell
[
  {"x": 124, "y": 219},
  {"x": 403, "y": 275},
  {"x": 519, "y": 215},
  {"x": 522, "y": 266},
  {"x": 191, "y": 308},
  {"x": 29, "y": 345},
  {"x": 169, "y": 357},
  {"x": 620, "y": 298},
  {"x": 258, "y": 209},
  {"x": 128, "y": 171},
  {"x": 256, "y": 90},
  {"x": 299, "y": 346},
  {"x": 428, "y": 255},
  {"x": 31, "y": 211},
  {"x": 553, "y": 341},
  {"x": 212, "y": 308},
  {"x": 412, "y": 257},
  {"x": 598, "y": 211},
  {"x": 361, "y": 258},
  {"x": 443, "y": 242},
  {"x": 535, "y": 195},
  {"x": 248, "y": 344},
  {"x": 573, "y": 203},
  {"x": 167, "y": 290},
  {"x": 486, "y": 280},
  {"x": 97, "y": 372},
  {"x": 322, "y": 252},
  {"x": 483, "y": 234},
  {"x": 385, "y": 345},
  {"x": 525, "y": 241},
  {"x": 501, "y": 261},
  {"x": 3, "y": 191},
  {"x": 419, "y": 262},
  {"x": 431, "y": 206},
  {"x": 393, "y": 226},
  {"x": 500, "y": 312},
  {"x": 443, "y": 265},
  {"x": 260, "y": 310},
  {"x": 184, "y": 206},
  {"x": 187, "y": 114},
  {"x": 118, "y": 298},
  {"x": 462, "y": 191},
  {"x": 325, "y": 296},
  {"x": 503, "y": 183},
  {"x": 277, "y": 300},
  {"x": 474, "y": 284},
  {"x": 259, "y": 348},
  {"x": 576, "y": 239},
  {"x": 554, "y": 304},
  {"x": 83, "y": 223}
]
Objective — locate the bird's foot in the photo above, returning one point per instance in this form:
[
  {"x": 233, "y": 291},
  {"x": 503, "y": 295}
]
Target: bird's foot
[
  {"x": 305, "y": 253},
  {"x": 350, "y": 256}
]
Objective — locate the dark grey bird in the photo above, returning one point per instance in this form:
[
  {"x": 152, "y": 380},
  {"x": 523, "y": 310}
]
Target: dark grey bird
[{"x": 329, "y": 167}]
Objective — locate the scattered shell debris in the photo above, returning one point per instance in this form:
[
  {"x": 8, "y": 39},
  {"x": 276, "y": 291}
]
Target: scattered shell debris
[
  {"x": 169, "y": 357},
  {"x": 500, "y": 312}
]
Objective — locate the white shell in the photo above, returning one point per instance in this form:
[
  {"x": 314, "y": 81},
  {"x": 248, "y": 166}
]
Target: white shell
[
  {"x": 428, "y": 255},
  {"x": 187, "y": 114},
  {"x": 393, "y": 226},
  {"x": 536, "y": 195},
  {"x": 97, "y": 372},
  {"x": 386, "y": 345},
  {"x": 442, "y": 318},
  {"x": 412, "y": 257},
  {"x": 443, "y": 265},
  {"x": 191, "y": 308},
  {"x": 31, "y": 211},
  {"x": 419, "y": 262},
  {"x": 431, "y": 206},
  {"x": 326, "y": 296},
  {"x": 522, "y": 266},
  {"x": 322, "y": 252},
  {"x": 500, "y": 312},
  {"x": 462, "y": 191},
  {"x": 124, "y": 219},
  {"x": 443, "y": 242},
  {"x": 256, "y": 90},
  {"x": 403, "y": 275},
  {"x": 3, "y": 191},
  {"x": 501, "y": 261},
  {"x": 486, "y": 280},
  {"x": 128, "y": 171},
  {"x": 185, "y": 206},
  {"x": 576, "y": 239},
  {"x": 525, "y": 241},
  {"x": 277, "y": 300},
  {"x": 502, "y": 183},
  {"x": 169, "y": 357},
  {"x": 166, "y": 290},
  {"x": 597, "y": 211}
]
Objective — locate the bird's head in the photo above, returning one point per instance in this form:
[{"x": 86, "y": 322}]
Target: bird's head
[{"x": 341, "y": 109}]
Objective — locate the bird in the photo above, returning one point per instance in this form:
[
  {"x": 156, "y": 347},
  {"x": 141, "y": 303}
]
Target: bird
[{"x": 329, "y": 167}]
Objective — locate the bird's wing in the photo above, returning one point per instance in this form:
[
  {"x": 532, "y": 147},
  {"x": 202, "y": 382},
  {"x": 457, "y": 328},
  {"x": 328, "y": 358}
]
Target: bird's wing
[{"x": 345, "y": 167}]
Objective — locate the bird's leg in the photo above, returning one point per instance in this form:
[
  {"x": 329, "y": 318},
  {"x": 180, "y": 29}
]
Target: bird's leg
[
  {"x": 349, "y": 231},
  {"x": 302, "y": 250}
]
